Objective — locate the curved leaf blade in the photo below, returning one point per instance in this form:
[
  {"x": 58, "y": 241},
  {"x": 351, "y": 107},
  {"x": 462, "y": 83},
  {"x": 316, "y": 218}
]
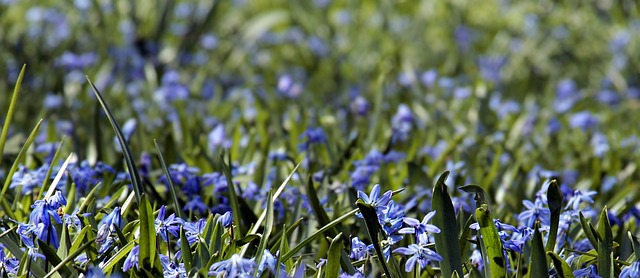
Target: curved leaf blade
[{"x": 447, "y": 244}]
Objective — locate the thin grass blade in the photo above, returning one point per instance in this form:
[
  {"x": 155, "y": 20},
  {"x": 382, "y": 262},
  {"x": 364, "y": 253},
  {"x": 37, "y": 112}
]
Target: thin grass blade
[
  {"x": 136, "y": 182},
  {"x": 12, "y": 107},
  {"x": 172, "y": 189}
]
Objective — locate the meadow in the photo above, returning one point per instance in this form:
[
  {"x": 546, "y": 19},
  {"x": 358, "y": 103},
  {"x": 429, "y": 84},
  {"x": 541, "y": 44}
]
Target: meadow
[{"x": 319, "y": 138}]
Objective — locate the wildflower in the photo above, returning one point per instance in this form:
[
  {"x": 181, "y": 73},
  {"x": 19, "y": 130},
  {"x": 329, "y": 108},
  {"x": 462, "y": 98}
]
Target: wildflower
[
  {"x": 374, "y": 199},
  {"x": 419, "y": 255},
  {"x": 420, "y": 229},
  {"x": 226, "y": 219},
  {"x": 235, "y": 266},
  {"x": 428, "y": 78},
  {"x": 358, "y": 249},
  {"x": 171, "y": 269},
  {"x": 587, "y": 272},
  {"x": 195, "y": 204},
  {"x": 132, "y": 259},
  {"x": 583, "y": 120},
  {"x": 7, "y": 265},
  {"x": 491, "y": 67},
  {"x": 402, "y": 123},
  {"x": 578, "y": 198},
  {"x": 169, "y": 225},
  {"x": 360, "y": 106},
  {"x": 193, "y": 230},
  {"x": 269, "y": 261},
  {"x": 476, "y": 260},
  {"x": 631, "y": 271},
  {"x": 535, "y": 211},
  {"x": 312, "y": 136},
  {"x": 217, "y": 138}
]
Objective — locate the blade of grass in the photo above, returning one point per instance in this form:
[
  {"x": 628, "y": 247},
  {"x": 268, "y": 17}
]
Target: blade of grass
[
  {"x": 562, "y": 268},
  {"x": 51, "y": 255},
  {"x": 333, "y": 257},
  {"x": 447, "y": 241},
  {"x": 538, "y": 266},
  {"x": 186, "y": 250},
  {"x": 23, "y": 152},
  {"x": 634, "y": 244},
  {"x": 71, "y": 257},
  {"x": 268, "y": 227},
  {"x": 491, "y": 243},
  {"x": 45, "y": 183},
  {"x": 589, "y": 230},
  {"x": 554, "y": 197},
  {"x": 148, "y": 251},
  {"x": 317, "y": 234},
  {"x": 233, "y": 198},
  {"x": 172, "y": 189},
  {"x": 373, "y": 227},
  {"x": 136, "y": 182},
  {"x": 605, "y": 245},
  {"x": 118, "y": 256},
  {"x": 262, "y": 216},
  {"x": 58, "y": 177},
  {"x": 12, "y": 107}
]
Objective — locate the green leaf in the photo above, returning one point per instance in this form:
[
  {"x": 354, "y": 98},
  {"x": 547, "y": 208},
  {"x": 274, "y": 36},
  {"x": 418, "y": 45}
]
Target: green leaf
[
  {"x": 52, "y": 257},
  {"x": 333, "y": 257},
  {"x": 491, "y": 245},
  {"x": 284, "y": 248},
  {"x": 186, "y": 250},
  {"x": 56, "y": 180},
  {"x": 605, "y": 245},
  {"x": 118, "y": 256},
  {"x": 70, "y": 258},
  {"x": 464, "y": 236},
  {"x": 588, "y": 230},
  {"x": 172, "y": 189},
  {"x": 148, "y": 252},
  {"x": 634, "y": 244},
  {"x": 562, "y": 268},
  {"x": 56, "y": 155},
  {"x": 317, "y": 234},
  {"x": 373, "y": 227},
  {"x": 21, "y": 155},
  {"x": 12, "y": 107},
  {"x": 554, "y": 197},
  {"x": 447, "y": 241},
  {"x": 136, "y": 182},
  {"x": 268, "y": 227},
  {"x": 480, "y": 194},
  {"x": 233, "y": 198},
  {"x": 538, "y": 266}
]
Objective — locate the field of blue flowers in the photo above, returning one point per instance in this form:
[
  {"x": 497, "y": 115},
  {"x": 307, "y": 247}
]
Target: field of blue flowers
[{"x": 319, "y": 138}]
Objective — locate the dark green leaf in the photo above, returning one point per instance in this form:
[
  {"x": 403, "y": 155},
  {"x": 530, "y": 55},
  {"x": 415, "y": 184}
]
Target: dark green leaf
[
  {"x": 480, "y": 195},
  {"x": 136, "y": 182},
  {"x": 52, "y": 257},
  {"x": 172, "y": 189},
  {"x": 373, "y": 227},
  {"x": 538, "y": 266},
  {"x": 333, "y": 257},
  {"x": 554, "y": 197},
  {"x": 605, "y": 245},
  {"x": 186, "y": 250},
  {"x": 447, "y": 244},
  {"x": 562, "y": 268},
  {"x": 233, "y": 198},
  {"x": 148, "y": 255},
  {"x": 589, "y": 230}
]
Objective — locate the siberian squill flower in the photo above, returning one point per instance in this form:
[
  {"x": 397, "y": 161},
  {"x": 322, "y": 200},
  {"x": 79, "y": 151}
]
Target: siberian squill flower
[
  {"x": 379, "y": 202},
  {"x": 167, "y": 225},
  {"x": 312, "y": 136},
  {"x": 578, "y": 198},
  {"x": 420, "y": 229},
  {"x": 358, "y": 249},
  {"x": 132, "y": 259},
  {"x": 631, "y": 271},
  {"x": 587, "y": 272},
  {"x": 402, "y": 123},
  {"x": 419, "y": 255},
  {"x": 269, "y": 261},
  {"x": 535, "y": 211},
  {"x": 235, "y": 266}
]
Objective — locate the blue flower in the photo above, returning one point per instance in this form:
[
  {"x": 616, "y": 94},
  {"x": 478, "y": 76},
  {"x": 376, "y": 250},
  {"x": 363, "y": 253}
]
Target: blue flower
[
  {"x": 269, "y": 261},
  {"x": 583, "y": 120},
  {"x": 169, "y": 225},
  {"x": 420, "y": 229},
  {"x": 132, "y": 259},
  {"x": 587, "y": 272},
  {"x": 402, "y": 123},
  {"x": 535, "y": 211},
  {"x": 195, "y": 204},
  {"x": 375, "y": 199},
  {"x": 578, "y": 198},
  {"x": 235, "y": 266},
  {"x": 8, "y": 265},
  {"x": 419, "y": 255},
  {"x": 358, "y": 249},
  {"x": 193, "y": 231},
  {"x": 476, "y": 259},
  {"x": 631, "y": 271},
  {"x": 312, "y": 136},
  {"x": 172, "y": 269},
  {"x": 226, "y": 219}
]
